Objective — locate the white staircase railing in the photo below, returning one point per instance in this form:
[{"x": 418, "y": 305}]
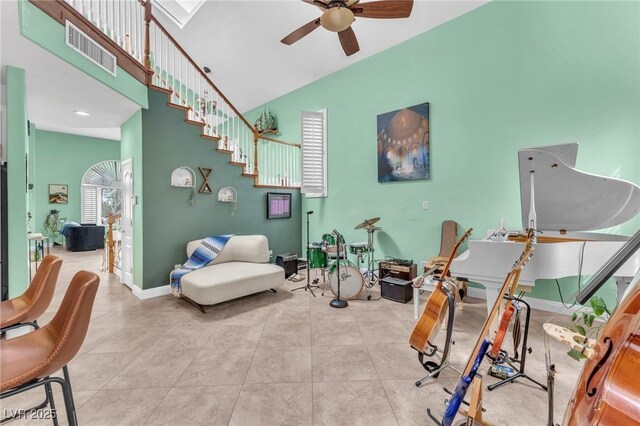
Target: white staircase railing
[
  {"x": 190, "y": 87},
  {"x": 132, "y": 26},
  {"x": 121, "y": 20},
  {"x": 280, "y": 163}
]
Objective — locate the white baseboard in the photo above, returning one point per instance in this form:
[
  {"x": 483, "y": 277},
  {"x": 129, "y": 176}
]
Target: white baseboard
[
  {"x": 540, "y": 304},
  {"x": 151, "y": 292}
]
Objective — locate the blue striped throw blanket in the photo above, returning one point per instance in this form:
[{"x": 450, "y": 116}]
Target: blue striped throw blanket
[{"x": 208, "y": 250}]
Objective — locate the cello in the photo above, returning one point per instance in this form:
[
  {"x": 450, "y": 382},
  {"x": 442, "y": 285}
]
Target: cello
[{"x": 608, "y": 389}]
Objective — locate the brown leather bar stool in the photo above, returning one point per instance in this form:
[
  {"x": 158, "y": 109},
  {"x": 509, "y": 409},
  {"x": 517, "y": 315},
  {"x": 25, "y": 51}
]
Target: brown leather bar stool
[
  {"x": 28, "y": 361},
  {"x": 25, "y": 309}
]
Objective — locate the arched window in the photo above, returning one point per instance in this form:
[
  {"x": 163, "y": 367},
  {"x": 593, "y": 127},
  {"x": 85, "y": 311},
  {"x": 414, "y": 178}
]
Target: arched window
[{"x": 100, "y": 192}]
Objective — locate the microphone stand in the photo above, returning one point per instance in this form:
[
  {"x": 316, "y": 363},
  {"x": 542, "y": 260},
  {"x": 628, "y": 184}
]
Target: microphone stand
[
  {"x": 308, "y": 286},
  {"x": 337, "y": 303}
]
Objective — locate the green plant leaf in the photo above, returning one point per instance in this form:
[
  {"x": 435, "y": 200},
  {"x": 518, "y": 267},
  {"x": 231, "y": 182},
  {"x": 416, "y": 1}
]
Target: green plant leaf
[
  {"x": 576, "y": 355},
  {"x": 598, "y": 305},
  {"x": 580, "y": 329},
  {"x": 585, "y": 318},
  {"x": 574, "y": 316},
  {"x": 589, "y": 320}
]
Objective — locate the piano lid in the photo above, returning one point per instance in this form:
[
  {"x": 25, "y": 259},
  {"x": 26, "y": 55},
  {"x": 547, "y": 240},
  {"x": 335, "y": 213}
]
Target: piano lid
[{"x": 568, "y": 199}]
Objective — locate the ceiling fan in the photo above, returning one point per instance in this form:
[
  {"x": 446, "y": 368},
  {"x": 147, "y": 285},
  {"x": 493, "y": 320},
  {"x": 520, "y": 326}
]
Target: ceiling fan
[{"x": 338, "y": 15}]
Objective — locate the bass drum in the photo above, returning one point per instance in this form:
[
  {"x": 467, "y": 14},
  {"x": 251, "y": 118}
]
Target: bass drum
[{"x": 351, "y": 281}]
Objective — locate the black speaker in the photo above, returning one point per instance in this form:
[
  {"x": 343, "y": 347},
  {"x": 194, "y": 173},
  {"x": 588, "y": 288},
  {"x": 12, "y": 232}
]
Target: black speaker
[
  {"x": 289, "y": 265},
  {"x": 396, "y": 289}
]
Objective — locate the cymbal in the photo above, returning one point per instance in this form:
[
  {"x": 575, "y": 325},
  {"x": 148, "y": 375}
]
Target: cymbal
[{"x": 367, "y": 223}]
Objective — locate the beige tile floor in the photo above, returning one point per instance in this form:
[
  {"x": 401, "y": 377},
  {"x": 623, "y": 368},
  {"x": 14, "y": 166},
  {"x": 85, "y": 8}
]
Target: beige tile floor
[{"x": 274, "y": 359}]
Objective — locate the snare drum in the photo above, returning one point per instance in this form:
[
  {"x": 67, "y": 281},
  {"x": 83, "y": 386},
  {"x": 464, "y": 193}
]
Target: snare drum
[
  {"x": 359, "y": 248},
  {"x": 330, "y": 246},
  {"x": 351, "y": 281},
  {"x": 317, "y": 257}
]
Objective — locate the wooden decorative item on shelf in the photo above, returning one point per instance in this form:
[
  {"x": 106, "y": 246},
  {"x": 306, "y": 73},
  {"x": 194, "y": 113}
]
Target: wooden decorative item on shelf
[
  {"x": 205, "y": 188},
  {"x": 111, "y": 219}
]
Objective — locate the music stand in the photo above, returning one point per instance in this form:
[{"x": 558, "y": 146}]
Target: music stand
[
  {"x": 337, "y": 302},
  {"x": 309, "y": 286}
]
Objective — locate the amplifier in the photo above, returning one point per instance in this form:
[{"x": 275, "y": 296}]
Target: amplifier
[
  {"x": 396, "y": 289},
  {"x": 391, "y": 269},
  {"x": 290, "y": 265}
]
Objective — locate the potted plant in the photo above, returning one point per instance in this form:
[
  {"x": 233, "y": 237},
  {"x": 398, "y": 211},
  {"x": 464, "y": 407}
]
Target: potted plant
[
  {"x": 52, "y": 225},
  {"x": 582, "y": 322}
]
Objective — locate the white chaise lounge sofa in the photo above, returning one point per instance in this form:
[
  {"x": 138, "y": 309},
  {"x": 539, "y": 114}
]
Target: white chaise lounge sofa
[{"x": 240, "y": 269}]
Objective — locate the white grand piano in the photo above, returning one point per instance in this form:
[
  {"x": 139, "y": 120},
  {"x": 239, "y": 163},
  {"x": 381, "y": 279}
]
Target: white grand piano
[{"x": 567, "y": 202}]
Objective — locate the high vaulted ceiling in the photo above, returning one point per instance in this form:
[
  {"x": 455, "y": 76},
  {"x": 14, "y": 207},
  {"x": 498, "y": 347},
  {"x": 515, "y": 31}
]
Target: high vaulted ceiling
[
  {"x": 240, "y": 42},
  {"x": 55, "y": 89}
]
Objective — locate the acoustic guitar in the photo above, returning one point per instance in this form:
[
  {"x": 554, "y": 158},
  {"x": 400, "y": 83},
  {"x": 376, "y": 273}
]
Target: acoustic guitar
[
  {"x": 482, "y": 344},
  {"x": 509, "y": 310},
  {"x": 436, "y": 305}
]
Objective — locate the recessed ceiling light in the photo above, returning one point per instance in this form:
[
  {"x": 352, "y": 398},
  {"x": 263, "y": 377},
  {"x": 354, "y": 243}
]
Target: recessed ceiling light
[{"x": 82, "y": 113}]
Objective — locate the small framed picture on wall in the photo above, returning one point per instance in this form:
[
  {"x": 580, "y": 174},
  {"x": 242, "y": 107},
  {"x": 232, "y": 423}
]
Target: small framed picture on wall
[
  {"x": 58, "y": 194},
  {"x": 278, "y": 205}
]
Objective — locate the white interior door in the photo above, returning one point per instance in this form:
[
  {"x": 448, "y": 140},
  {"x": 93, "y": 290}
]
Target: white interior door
[{"x": 127, "y": 222}]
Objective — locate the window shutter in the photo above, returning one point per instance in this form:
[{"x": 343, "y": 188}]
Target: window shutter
[
  {"x": 314, "y": 154},
  {"x": 89, "y": 204}
]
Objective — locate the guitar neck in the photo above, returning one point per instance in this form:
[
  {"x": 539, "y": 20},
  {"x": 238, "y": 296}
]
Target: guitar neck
[
  {"x": 445, "y": 269},
  {"x": 492, "y": 315}
]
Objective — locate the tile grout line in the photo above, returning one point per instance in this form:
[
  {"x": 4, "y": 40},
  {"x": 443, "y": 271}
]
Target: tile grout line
[
  {"x": 235, "y": 404},
  {"x": 378, "y": 374}
]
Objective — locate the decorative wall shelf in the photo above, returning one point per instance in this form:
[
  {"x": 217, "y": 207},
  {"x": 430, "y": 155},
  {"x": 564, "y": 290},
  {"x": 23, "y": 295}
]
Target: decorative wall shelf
[
  {"x": 183, "y": 177},
  {"x": 227, "y": 195}
]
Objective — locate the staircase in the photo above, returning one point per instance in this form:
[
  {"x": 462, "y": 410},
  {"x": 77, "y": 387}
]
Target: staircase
[{"x": 270, "y": 162}]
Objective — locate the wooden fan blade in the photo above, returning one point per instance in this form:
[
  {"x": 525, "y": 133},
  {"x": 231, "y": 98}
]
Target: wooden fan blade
[
  {"x": 348, "y": 41},
  {"x": 385, "y": 9},
  {"x": 318, "y": 3},
  {"x": 301, "y": 32}
]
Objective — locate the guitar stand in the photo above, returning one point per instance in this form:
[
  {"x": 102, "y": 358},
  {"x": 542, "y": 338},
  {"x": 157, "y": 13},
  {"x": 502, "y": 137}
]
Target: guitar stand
[
  {"x": 524, "y": 350},
  {"x": 474, "y": 413},
  {"x": 432, "y": 367}
]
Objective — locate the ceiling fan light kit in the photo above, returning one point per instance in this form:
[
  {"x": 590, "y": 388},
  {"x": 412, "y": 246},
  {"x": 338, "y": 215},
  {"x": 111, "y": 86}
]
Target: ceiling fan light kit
[
  {"x": 337, "y": 19},
  {"x": 338, "y": 15}
]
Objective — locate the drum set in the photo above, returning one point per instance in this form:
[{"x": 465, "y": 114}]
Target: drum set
[{"x": 353, "y": 279}]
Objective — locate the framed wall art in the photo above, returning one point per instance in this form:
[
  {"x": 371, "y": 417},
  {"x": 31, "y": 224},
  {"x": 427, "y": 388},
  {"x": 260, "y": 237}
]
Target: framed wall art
[
  {"x": 403, "y": 144},
  {"x": 58, "y": 194}
]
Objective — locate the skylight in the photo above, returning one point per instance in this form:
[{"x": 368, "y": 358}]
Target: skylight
[{"x": 179, "y": 11}]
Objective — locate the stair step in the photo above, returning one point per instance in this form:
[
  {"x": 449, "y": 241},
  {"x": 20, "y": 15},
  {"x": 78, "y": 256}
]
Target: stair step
[
  {"x": 250, "y": 174},
  {"x": 194, "y": 122},
  {"x": 235, "y": 163},
  {"x": 213, "y": 138},
  {"x": 182, "y": 107},
  {"x": 257, "y": 185},
  {"x": 224, "y": 151},
  {"x": 161, "y": 89}
]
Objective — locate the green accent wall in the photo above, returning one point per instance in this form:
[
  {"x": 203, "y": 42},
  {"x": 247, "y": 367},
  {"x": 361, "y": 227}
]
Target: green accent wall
[
  {"x": 64, "y": 159},
  {"x": 506, "y": 76},
  {"x": 43, "y": 30},
  {"x": 131, "y": 148},
  {"x": 17, "y": 196},
  {"x": 169, "y": 219}
]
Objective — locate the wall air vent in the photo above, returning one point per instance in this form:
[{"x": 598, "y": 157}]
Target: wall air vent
[{"x": 80, "y": 42}]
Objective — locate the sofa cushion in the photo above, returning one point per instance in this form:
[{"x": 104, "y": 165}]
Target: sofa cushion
[
  {"x": 218, "y": 283},
  {"x": 240, "y": 248}
]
